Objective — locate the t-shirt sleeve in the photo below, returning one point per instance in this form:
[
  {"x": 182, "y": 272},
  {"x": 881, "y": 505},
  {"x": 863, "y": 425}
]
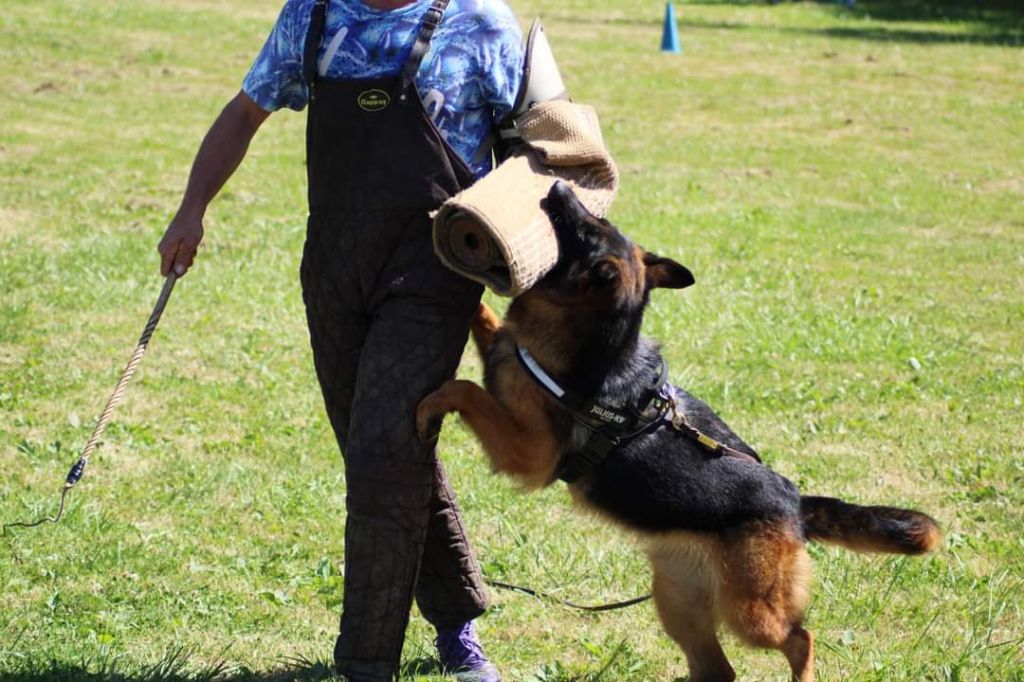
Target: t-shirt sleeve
[
  {"x": 275, "y": 79},
  {"x": 502, "y": 61}
]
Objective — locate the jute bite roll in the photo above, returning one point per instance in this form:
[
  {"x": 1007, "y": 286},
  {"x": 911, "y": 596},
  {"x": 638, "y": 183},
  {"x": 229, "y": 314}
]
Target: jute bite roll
[{"x": 496, "y": 232}]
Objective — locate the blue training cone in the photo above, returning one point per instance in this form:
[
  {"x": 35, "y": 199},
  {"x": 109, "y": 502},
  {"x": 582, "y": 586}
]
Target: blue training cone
[{"x": 670, "y": 34}]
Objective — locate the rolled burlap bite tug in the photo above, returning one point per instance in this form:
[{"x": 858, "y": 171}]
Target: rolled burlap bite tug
[{"x": 496, "y": 232}]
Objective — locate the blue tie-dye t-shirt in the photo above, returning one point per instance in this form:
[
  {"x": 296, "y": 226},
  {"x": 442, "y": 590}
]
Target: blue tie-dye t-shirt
[{"x": 467, "y": 81}]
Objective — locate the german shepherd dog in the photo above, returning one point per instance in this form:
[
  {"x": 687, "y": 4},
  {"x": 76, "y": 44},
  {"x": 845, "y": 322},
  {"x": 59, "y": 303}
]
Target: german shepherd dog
[{"x": 725, "y": 534}]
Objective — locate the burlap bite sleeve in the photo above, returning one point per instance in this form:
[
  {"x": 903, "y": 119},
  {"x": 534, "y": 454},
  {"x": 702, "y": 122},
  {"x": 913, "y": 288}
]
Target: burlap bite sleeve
[{"x": 561, "y": 141}]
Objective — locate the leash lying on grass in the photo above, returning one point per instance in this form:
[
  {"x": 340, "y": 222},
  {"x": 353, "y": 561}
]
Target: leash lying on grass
[
  {"x": 78, "y": 469},
  {"x": 550, "y": 597}
]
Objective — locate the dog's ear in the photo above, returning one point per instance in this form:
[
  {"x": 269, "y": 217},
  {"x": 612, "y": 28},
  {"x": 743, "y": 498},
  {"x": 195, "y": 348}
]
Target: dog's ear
[{"x": 665, "y": 273}]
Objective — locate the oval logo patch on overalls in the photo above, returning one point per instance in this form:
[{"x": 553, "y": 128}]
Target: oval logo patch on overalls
[{"x": 373, "y": 100}]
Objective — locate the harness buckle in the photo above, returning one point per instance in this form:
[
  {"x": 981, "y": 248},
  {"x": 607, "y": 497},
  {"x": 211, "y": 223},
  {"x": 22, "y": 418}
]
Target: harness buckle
[
  {"x": 433, "y": 16},
  {"x": 577, "y": 463},
  {"x": 678, "y": 418},
  {"x": 655, "y": 409}
]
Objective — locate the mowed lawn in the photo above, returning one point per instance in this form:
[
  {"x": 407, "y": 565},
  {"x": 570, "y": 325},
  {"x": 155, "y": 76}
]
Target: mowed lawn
[{"x": 847, "y": 186}]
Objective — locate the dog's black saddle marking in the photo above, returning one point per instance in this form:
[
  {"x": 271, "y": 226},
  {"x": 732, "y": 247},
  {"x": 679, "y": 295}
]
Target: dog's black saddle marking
[{"x": 611, "y": 426}]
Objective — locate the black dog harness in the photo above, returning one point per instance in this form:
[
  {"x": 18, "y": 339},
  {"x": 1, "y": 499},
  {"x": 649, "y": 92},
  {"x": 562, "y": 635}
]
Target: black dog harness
[{"x": 610, "y": 426}]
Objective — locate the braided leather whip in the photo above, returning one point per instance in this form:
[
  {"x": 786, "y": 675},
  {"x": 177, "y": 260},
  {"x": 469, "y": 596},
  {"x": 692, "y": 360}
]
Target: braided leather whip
[{"x": 78, "y": 469}]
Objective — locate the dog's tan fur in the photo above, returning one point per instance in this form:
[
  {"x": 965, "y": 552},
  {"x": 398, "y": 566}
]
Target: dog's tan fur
[
  {"x": 754, "y": 580},
  {"x": 747, "y": 569}
]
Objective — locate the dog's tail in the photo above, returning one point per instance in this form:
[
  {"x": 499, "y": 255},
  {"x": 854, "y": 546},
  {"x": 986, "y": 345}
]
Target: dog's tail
[{"x": 869, "y": 529}]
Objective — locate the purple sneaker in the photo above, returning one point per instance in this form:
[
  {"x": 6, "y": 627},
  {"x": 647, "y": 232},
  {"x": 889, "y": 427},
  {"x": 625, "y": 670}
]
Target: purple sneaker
[{"x": 461, "y": 655}]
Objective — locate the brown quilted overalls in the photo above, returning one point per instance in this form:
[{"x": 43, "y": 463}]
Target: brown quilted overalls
[{"x": 388, "y": 324}]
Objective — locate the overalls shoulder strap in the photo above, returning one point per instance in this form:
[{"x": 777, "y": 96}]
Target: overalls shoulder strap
[
  {"x": 315, "y": 36},
  {"x": 431, "y": 20}
]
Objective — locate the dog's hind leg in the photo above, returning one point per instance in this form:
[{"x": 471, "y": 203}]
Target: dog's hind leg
[
  {"x": 684, "y": 588},
  {"x": 799, "y": 651},
  {"x": 485, "y": 325},
  {"x": 765, "y": 570}
]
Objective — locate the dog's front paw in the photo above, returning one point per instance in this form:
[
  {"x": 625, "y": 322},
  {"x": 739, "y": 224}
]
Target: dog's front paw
[{"x": 429, "y": 417}]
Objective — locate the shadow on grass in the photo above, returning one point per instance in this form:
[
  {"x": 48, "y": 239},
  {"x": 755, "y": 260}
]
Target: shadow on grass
[
  {"x": 976, "y": 11},
  {"x": 1013, "y": 37},
  {"x": 1009, "y": 33},
  {"x": 991, "y": 22},
  {"x": 994, "y": 12},
  {"x": 176, "y": 667}
]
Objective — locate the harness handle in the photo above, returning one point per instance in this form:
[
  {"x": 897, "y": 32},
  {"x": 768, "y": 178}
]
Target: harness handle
[{"x": 681, "y": 424}]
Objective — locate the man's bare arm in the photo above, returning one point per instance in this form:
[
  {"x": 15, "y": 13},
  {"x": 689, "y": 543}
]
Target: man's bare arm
[{"x": 219, "y": 155}]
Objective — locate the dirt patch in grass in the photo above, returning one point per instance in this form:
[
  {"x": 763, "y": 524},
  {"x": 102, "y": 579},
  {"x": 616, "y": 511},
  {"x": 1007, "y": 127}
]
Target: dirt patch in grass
[
  {"x": 13, "y": 221},
  {"x": 1013, "y": 185}
]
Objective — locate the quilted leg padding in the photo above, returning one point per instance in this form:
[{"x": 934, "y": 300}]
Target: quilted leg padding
[
  {"x": 412, "y": 347},
  {"x": 385, "y": 335},
  {"x": 450, "y": 589},
  {"x": 333, "y": 289}
]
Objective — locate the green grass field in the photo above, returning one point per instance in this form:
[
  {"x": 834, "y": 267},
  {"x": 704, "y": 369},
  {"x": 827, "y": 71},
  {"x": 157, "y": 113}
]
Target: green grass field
[{"x": 847, "y": 186}]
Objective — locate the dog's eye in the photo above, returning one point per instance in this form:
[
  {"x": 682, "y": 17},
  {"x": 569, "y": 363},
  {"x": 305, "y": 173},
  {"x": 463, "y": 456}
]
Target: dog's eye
[{"x": 605, "y": 272}]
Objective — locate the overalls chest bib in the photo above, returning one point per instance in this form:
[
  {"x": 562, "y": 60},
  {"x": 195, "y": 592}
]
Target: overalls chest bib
[{"x": 370, "y": 144}]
